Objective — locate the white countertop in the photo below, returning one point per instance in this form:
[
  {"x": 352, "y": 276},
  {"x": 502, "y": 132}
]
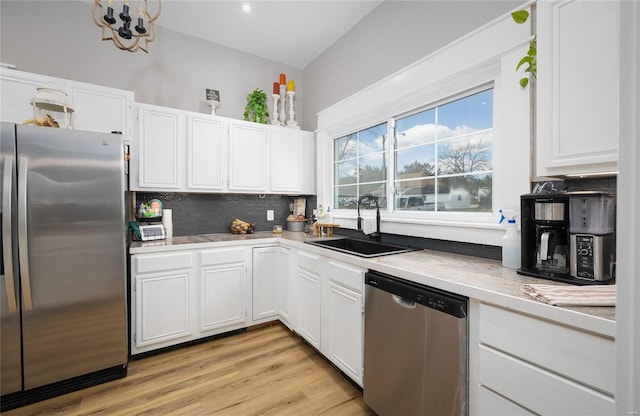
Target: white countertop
[{"x": 480, "y": 279}]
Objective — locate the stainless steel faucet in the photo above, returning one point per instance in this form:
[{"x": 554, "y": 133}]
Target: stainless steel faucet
[{"x": 377, "y": 236}]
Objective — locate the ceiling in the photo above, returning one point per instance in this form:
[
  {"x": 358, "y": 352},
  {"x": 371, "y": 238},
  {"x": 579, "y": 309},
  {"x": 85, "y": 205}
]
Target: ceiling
[{"x": 290, "y": 32}]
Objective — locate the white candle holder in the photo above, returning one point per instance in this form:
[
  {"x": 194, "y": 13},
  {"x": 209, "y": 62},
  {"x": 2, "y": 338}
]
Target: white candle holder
[
  {"x": 283, "y": 109},
  {"x": 275, "y": 121},
  {"x": 291, "y": 123},
  {"x": 213, "y": 104}
]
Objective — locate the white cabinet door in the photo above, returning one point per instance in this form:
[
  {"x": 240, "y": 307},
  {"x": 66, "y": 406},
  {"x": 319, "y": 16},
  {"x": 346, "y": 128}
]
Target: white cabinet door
[
  {"x": 266, "y": 291},
  {"x": 344, "y": 330},
  {"x": 287, "y": 153},
  {"x": 161, "y": 300},
  {"x": 285, "y": 287},
  {"x": 223, "y": 296},
  {"x": 205, "y": 153},
  {"x": 101, "y": 109},
  {"x": 18, "y": 88},
  {"x": 342, "y": 318},
  {"x": 577, "y": 87},
  {"x": 248, "y": 161},
  {"x": 308, "y": 287},
  {"x": 292, "y": 160},
  {"x": 223, "y": 289},
  {"x": 160, "y": 144},
  {"x": 162, "y": 307}
]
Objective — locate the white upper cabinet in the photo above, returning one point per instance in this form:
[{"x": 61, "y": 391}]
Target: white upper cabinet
[
  {"x": 248, "y": 164},
  {"x": 292, "y": 162},
  {"x": 96, "y": 108},
  {"x": 159, "y": 148},
  {"x": 18, "y": 88},
  {"x": 205, "y": 149},
  {"x": 101, "y": 109},
  {"x": 577, "y": 87}
]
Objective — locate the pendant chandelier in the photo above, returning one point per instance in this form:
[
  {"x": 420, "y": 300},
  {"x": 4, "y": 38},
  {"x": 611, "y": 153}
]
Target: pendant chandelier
[{"x": 119, "y": 29}]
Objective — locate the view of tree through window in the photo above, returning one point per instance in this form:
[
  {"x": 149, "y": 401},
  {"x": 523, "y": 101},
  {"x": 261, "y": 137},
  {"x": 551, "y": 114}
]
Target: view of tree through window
[{"x": 441, "y": 159}]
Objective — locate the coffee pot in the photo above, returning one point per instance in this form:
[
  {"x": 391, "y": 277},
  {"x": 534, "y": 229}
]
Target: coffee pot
[
  {"x": 545, "y": 232},
  {"x": 568, "y": 236}
]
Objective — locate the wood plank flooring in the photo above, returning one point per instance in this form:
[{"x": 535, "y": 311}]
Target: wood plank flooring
[{"x": 264, "y": 371}]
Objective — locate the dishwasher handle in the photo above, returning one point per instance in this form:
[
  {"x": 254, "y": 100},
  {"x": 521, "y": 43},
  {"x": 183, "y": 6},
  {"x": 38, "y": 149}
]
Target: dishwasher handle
[
  {"x": 405, "y": 303},
  {"x": 409, "y": 294}
]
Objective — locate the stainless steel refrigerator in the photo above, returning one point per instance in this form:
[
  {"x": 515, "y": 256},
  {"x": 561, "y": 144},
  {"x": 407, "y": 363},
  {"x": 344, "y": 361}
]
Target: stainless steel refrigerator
[{"x": 63, "y": 298}]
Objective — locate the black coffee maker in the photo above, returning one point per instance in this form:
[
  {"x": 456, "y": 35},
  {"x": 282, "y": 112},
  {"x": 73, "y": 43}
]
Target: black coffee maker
[{"x": 545, "y": 236}]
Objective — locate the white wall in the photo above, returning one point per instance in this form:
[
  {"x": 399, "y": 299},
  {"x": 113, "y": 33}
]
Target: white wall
[
  {"x": 60, "y": 39},
  {"x": 392, "y": 36}
]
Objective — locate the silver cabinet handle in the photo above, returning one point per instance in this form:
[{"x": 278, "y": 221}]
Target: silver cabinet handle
[
  {"x": 7, "y": 243},
  {"x": 23, "y": 242}
]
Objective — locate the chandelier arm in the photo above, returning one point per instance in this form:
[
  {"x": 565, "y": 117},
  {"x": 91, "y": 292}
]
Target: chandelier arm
[{"x": 155, "y": 17}]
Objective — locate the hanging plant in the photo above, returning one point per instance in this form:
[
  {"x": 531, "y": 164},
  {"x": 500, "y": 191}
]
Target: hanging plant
[
  {"x": 529, "y": 60},
  {"x": 256, "y": 109}
]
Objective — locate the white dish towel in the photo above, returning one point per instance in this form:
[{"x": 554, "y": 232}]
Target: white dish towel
[
  {"x": 593, "y": 295},
  {"x": 369, "y": 225}
]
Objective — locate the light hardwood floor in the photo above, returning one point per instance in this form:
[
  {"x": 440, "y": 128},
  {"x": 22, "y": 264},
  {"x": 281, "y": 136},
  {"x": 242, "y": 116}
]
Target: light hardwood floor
[{"x": 264, "y": 371}]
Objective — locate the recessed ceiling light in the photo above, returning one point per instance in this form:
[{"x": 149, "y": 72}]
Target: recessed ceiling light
[{"x": 246, "y": 7}]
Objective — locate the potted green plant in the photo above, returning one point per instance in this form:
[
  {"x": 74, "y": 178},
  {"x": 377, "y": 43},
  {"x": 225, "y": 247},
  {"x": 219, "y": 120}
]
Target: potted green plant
[
  {"x": 529, "y": 60},
  {"x": 256, "y": 109}
]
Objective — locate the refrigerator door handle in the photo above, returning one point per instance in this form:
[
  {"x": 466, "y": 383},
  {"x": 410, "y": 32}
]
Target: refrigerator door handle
[
  {"x": 23, "y": 243},
  {"x": 7, "y": 243}
]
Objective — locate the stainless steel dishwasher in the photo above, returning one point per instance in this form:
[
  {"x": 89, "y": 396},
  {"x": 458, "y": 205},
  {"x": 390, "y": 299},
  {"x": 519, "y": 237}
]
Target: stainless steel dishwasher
[{"x": 415, "y": 349}]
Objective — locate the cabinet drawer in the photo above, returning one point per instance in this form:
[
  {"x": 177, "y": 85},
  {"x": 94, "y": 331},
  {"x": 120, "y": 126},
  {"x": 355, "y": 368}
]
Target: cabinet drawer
[
  {"x": 346, "y": 275},
  {"x": 578, "y": 355},
  {"x": 492, "y": 404},
  {"x": 222, "y": 256},
  {"x": 538, "y": 390},
  {"x": 308, "y": 262},
  {"x": 148, "y": 263}
]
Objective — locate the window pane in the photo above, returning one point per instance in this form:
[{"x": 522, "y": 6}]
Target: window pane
[
  {"x": 465, "y": 193},
  {"x": 471, "y": 153},
  {"x": 345, "y": 147},
  {"x": 373, "y": 168},
  {"x": 373, "y": 139},
  {"x": 346, "y": 172},
  {"x": 416, "y": 162},
  {"x": 416, "y": 129},
  {"x": 376, "y": 189},
  {"x": 346, "y": 197},
  {"x": 415, "y": 195},
  {"x": 471, "y": 113}
]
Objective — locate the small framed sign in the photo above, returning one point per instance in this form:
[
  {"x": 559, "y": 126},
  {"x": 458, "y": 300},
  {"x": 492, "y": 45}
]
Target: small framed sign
[{"x": 213, "y": 95}]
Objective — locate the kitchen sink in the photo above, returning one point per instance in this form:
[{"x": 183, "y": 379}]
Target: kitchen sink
[{"x": 362, "y": 248}]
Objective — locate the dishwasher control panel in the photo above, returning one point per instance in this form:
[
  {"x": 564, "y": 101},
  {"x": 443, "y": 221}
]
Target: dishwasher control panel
[{"x": 433, "y": 298}]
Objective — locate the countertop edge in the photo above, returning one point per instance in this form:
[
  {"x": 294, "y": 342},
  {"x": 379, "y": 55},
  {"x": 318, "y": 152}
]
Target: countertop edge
[{"x": 385, "y": 264}]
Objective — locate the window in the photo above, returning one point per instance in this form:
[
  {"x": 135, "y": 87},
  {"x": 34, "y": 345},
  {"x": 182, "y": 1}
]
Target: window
[
  {"x": 360, "y": 166},
  {"x": 440, "y": 158}
]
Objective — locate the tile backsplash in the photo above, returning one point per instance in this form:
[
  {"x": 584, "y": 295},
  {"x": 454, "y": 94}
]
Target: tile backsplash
[{"x": 212, "y": 213}]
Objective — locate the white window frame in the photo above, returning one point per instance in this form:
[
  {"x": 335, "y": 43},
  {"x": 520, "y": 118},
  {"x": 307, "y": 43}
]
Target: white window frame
[{"x": 487, "y": 55}]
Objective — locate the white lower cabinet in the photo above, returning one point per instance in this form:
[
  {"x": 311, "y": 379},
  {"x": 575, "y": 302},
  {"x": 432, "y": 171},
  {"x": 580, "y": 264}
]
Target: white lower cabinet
[
  {"x": 308, "y": 287},
  {"x": 161, "y": 302},
  {"x": 521, "y": 364},
  {"x": 343, "y": 318},
  {"x": 330, "y": 310},
  {"x": 266, "y": 290},
  {"x": 180, "y": 296},
  {"x": 223, "y": 289}
]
